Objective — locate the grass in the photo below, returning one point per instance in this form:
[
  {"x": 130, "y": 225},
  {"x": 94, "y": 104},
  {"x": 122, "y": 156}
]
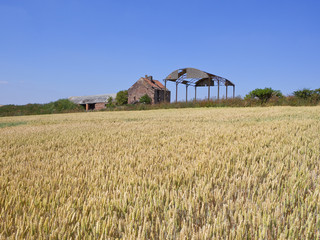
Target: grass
[
  {"x": 202, "y": 173},
  {"x": 11, "y": 124}
]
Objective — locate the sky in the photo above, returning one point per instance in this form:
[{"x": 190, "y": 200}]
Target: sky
[{"x": 53, "y": 49}]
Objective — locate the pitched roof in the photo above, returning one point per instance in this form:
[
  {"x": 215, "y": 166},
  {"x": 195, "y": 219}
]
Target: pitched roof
[
  {"x": 155, "y": 84},
  {"x": 91, "y": 98}
]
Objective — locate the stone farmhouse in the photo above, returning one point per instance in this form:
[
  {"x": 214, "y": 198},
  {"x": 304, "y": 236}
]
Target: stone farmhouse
[{"x": 153, "y": 88}]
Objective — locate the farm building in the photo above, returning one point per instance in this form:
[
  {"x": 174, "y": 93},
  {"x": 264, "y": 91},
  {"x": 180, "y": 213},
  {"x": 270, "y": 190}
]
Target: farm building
[
  {"x": 153, "y": 88},
  {"x": 93, "y": 102},
  {"x": 197, "y": 78}
]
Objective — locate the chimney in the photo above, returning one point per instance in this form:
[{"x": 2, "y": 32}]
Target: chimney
[{"x": 149, "y": 77}]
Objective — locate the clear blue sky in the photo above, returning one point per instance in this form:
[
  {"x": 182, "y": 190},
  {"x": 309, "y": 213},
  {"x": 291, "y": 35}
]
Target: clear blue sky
[{"x": 51, "y": 49}]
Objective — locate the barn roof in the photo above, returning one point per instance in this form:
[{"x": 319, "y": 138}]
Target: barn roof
[
  {"x": 196, "y": 77},
  {"x": 91, "y": 98}
]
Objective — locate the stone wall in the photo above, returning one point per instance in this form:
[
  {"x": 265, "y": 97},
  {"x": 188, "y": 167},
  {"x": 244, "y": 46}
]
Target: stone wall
[
  {"x": 99, "y": 106},
  {"x": 139, "y": 89}
]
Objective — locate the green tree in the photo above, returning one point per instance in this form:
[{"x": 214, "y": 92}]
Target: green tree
[
  {"x": 316, "y": 94},
  {"x": 263, "y": 94},
  {"x": 122, "y": 97},
  {"x": 109, "y": 102},
  {"x": 304, "y": 93},
  {"x": 145, "y": 99},
  {"x": 64, "y": 105}
]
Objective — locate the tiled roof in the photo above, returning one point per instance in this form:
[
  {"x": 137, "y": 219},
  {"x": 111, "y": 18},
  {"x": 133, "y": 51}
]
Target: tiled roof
[
  {"x": 155, "y": 83},
  {"x": 159, "y": 84}
]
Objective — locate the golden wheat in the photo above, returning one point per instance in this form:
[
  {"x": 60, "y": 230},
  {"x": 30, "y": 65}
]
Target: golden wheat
[{"x": 230, "y": 173}]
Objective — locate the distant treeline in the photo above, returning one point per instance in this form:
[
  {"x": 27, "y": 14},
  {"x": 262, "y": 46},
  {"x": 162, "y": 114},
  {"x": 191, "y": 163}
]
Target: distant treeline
[
  {"x": 60, "y": 106},
  {"x": 257, "y": 97}
]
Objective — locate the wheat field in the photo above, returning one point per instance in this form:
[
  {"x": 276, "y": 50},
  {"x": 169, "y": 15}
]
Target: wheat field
[{"x": 209, "y": 173}]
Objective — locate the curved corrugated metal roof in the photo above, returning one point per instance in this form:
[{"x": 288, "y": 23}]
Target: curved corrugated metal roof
[{"x": 193, "y": 76}]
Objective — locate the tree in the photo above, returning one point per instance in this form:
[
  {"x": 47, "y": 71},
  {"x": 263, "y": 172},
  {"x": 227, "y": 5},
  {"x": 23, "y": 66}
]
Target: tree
[
  {"x": 109, "y": 102},
  {"x": 304, "y": 93},
  {"x": 263, "y": 94},
  {"x": 145, "y": 99},
  {"x": 317, "y": 93},
  {"x": 122, "y": 97},
  {"x": 62, "y": 105}
]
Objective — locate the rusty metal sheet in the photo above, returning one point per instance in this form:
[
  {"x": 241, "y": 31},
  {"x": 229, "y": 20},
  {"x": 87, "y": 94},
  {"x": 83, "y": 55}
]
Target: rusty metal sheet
[{"x": 196, "y": 77}]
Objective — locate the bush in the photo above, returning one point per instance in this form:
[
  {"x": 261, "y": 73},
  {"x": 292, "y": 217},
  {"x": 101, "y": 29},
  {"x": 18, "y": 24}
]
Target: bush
[
  {"x": 59, "y": 106},
  {"x": 145, "y": 99},
  {"x": 122, "y": 97},
  {"x": 63, "y": 105},
  {"x": 316, "y": 93},
  {"x": 309, "y": 96},
  {"x": 304, "y": 93},
  {"x": 110, "y": 102},
  {"x": 263, "y": 94}
]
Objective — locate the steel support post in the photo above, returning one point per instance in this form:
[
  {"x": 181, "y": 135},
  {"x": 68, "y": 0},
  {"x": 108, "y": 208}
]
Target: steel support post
[
  {"x": 218, "y": 90},
  {"x": 186, "y": 93},
  {"x": 209, "y": 89},
  {"x": 195, "y": 93},
  {"x": 234, "y": 91},
  {"x": 226, "y": 91},
  {"x": 176, "y": 92}
]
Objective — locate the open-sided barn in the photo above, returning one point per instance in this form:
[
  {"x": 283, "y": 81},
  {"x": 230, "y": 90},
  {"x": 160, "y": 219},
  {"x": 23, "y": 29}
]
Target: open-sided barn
[{"x": 197, "y": 78}]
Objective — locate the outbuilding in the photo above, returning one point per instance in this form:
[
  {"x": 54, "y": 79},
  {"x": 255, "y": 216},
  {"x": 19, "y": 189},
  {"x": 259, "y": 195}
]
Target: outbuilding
[{"x": 92, "y": 102}]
